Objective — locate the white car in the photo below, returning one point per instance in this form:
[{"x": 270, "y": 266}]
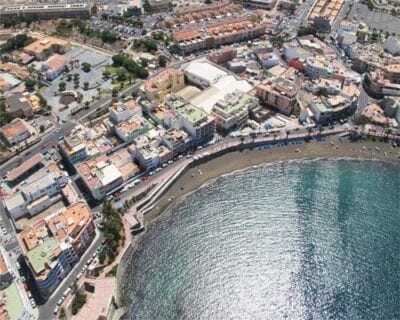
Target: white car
[{"x": 56, "y": 310}]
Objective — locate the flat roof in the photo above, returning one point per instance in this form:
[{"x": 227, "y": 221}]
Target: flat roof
[
  {"x": 205, "y": 70},
  {"x": 227, "y": 85},
  {"x": 14, "y": 305},
  {"x": 24, "y": 166},
  {"x": 40, "y": 183},
  {"x": 14, "y": 201},
  {"x": 41, "y": 254}
]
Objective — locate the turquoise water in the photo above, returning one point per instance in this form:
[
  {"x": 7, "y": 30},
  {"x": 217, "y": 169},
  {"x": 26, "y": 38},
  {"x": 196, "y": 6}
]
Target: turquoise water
[{"x": 300, "y": 240}]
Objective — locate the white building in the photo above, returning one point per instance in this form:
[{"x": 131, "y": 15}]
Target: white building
[
  {"x": 35, "y": 195},
  {"x": 392, "y": 45},
  {"x": 218, "y": 91},
  {"x": 202, "y": 73},
  {"x": 122, "y": 111},
  {"x": 317, "y": 67}
]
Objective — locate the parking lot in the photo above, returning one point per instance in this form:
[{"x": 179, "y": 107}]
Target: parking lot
[{"x": 375, "y": 19}]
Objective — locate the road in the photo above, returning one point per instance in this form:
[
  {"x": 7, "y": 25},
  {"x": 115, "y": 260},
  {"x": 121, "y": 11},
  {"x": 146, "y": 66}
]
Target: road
[{"x": 46, "y": 311}]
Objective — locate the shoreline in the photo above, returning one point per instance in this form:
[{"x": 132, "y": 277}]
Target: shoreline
[
  {"x": 234, "y": 161},
  {"x": 191, "y": 179}
]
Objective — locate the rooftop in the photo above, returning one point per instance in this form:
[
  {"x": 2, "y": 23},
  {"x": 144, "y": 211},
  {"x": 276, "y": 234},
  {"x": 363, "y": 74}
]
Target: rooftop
[
  {"x": 71, "y": 222},
  {"x": 25, "y": 166},
  {"x": 153, "y": 83},
  {"x": 14, "y": 128},
  {"x": 98, "y": 172},
  {"x": 232, "y": 103},
  {"x": 56, "y": 62},
  {"x": 13, "y": 302},
  {"x": 227, "y": 85},
  {"x": 133, "y": 124},
  {"x": 205, "y": 70},
  {"x": 40, "y": 257},
  {"x": 126, "y": 105},
  {"x": 186, "y": 34},
  {"x": 43, "y": 44}
]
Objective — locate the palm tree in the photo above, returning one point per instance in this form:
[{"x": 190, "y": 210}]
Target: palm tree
[
  {"x": 241, "y": 139},
  {"x": 309, "y": 130},
  {"x": 320, "y": 129},
  {"x": 287, "y": 134},
  {"x": 275, "y": 135}
]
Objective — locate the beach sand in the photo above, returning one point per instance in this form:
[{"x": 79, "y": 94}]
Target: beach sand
[{"x": 194, "y": 177}]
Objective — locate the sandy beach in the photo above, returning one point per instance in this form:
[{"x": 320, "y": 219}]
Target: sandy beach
[{"x": 194, "y": 177}]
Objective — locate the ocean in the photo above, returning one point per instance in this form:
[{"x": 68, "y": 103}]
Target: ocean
[{"x": 292, "y": 240}]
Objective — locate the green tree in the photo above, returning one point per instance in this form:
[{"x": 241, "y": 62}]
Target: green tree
[
  {"x": 121, "y": 75},
  {"x": 106, "y": 74},
  {"x": 162, "y": 61},
  {"x": 144, "y": 62},
  {"x": 78, "y": 302},
  {"x": 86, "y": 67},
  {"x": 62, "y": 314},
  {"x": 147, "y": 7},
  {"x": 30, "y": 84},
  {"x": 41, "y": 128},
  {"x": 62, "y": 85},
  {"x": 115, "y": 92},
  {"x": 86, "y": 85}
]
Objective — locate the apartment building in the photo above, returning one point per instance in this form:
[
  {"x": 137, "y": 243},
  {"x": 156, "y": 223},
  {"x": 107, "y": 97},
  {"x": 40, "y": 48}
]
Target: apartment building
[
  {"x": 223, "y": 55},
  {"x": 197, "y": 13},
  {"x": 133, "y": 127},
  {"x": 218, "y": 34},
  {"x": 280, "y": 94},
  {"x": 37, "y": 192},
  {"x": 168, "y": 81},
  {"x": 379, "y": 86},
  {"x": 47, "y": 262},
  {"x": 392, "y": 73},
  {"x": 232, "y": 112},
  {"x": 324, "y": 14},
  {"x": 178, "y": 141},
  {"x": 123, "y": 110},
  {"x": 151, "y": 157},
  {"x": 199, "y": 125},
  {"x": 318, "y": 66},
  {"x": 100, "y": 176},
  {"x": 53, "y": 245},
  {"x": 84, "y": 143},
  {"x": 330, "y": 109}
]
